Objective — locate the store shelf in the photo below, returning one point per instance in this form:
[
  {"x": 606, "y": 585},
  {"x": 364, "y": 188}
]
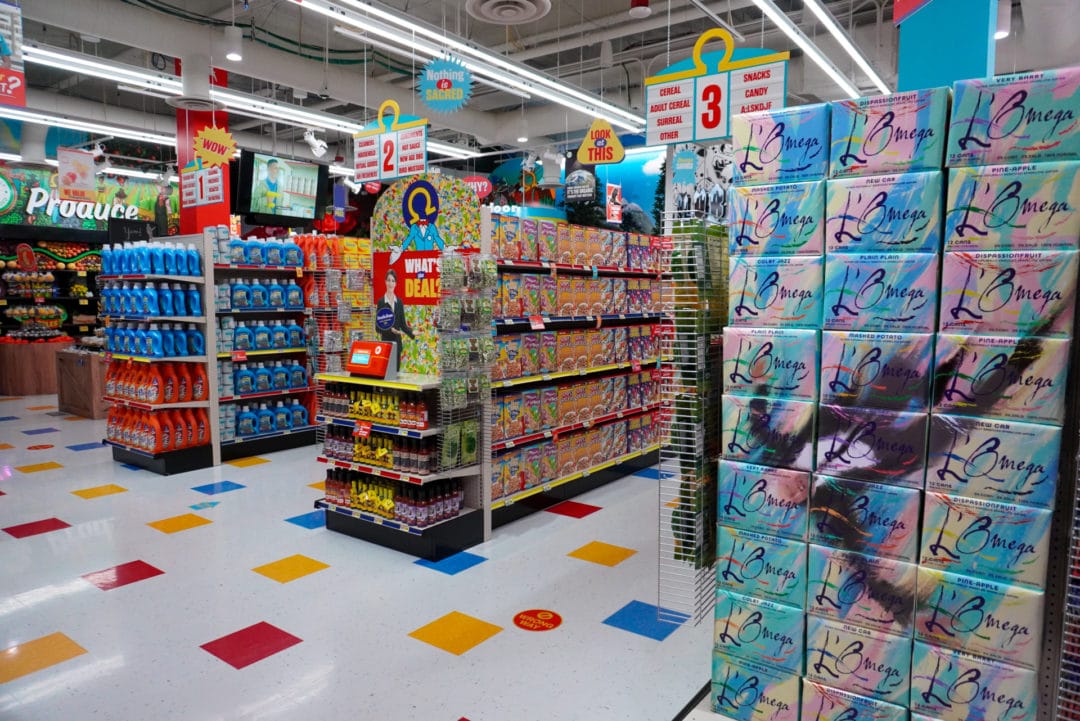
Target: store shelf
[
  {"x": 260, "y": 268},
  {"x": 42, "y": 299},
  {"x": 265, "y": 394},
  {"x": 435, "y": 543},
  {"x": 152, "y": 276},
  {"x": 261, "y": 311},
  {"x": 271, "y": 351},
  {"x": 553, "y": 432},
  {"x": 141, "y": 452},
  {"x": 182, "y": 461},
  {"x": 263, "y": 436},
  {"x": 380, "y": 427},
  {"x": 595, "y": 320},
  {"x": 532, "y": 266},
  {"x": 416, "y": 480},
  {"x": 145, "y": 359},
  {"x": 404, "y": 381},
  {"x": 555, "y": 375},
  {"x": 387, "y": 522},
  {"x": 546, "y": 487},
  {"x": 155, "y": 406},
  {"x": 156, "y": 318}
]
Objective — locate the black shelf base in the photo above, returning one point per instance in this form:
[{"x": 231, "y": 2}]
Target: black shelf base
[
  {"x": 258, "y": 446},
  {"x": 567, "y": 491},
  {"x": 167, "y": 464},
  {"x": 436, "y": 543}
]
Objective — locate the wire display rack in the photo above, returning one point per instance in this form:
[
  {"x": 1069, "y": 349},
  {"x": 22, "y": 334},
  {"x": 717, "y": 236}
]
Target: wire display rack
[{"x": 690, "y": 390}]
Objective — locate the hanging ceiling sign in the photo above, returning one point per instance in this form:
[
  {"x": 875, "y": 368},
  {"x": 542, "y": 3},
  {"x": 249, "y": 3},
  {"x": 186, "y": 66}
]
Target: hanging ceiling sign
[
  {"x": 201, "y": 185},
  {"x": 601, "y": 145},
  {"x": 76, "y": 175},
  {"x": 384, "y": 152},
  {"x": 214, "y": 146},
  {"x": 693, "y": 100},
  {"x": 445, "y": 85},
  {"x": 12, "y": 76}
]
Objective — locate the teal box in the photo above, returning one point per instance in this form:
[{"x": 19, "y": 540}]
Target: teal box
[
  {"x": 783, "y": 219},
  {"x": 993, "y": 541},
  {"x": 871, "y": 518},
  {"x": 781, "y": 146},
  {"x": 860, "y": 660},
  {"x": 775, "y": 362},
  {"x": 993, "y": 460},
  {"x": 746, "y": 690},
  {"x": 768, "y": 567},
  {"x": 775, "y": 291},
  {"x": 768, "y": 431},
  {"x": 1013, "y": 207},
  {"x": 867, "y": 591},
  {"x": 890, "y": 292},
  {"x": 988, "y": 619},
  {"x": 1022, "y": 118},
  {"x": 896, "y": 133},
  {"x": 953, "y": 685},
  {"x": 763, "y": 499},
  {"x": 884, "y": 213},
  {"x": 754, "y": 629},
  {"x": 877, "y": 370},
  {"x": 824, "y": 703}
]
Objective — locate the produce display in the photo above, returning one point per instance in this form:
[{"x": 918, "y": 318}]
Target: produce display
[{"x": 55, "y": 255}]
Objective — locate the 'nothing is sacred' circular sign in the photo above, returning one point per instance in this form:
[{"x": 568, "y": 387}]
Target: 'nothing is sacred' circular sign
[{"x": 445, "y": 85}]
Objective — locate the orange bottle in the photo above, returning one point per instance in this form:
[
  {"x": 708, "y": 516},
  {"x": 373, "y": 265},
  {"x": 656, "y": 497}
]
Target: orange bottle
[
  {"x": 202, "y": 427},
  {"x": 154, "y": 383},
  {"x": 200, "y": 390},
  {"x": 169, "y": 382},
  {"x": 189, "y": 427},
  {"x": 183, "y": 383},
  {"x": 179, "y": 429},
  {"x": 154, "y": 439},
  {"x": 140, "y": 384}
]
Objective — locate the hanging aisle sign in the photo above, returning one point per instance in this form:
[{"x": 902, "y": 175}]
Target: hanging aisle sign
[
  {"x": 76, "y": 175},
  {"x": 201, "y": 185},
  {"x": 445, "y": 85},
  {"x": 601, "y": 145},
  {"x": 693, "y": 100},
  {"x": 214, "y": 146},
  {"x": 385, "y": 153}
]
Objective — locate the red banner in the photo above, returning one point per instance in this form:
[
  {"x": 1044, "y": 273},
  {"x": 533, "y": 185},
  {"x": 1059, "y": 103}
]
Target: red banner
[
  {"x": 12, "y": 77},
  {"x": 411, "y": 277},
  {"x": 904, "y": 8}
]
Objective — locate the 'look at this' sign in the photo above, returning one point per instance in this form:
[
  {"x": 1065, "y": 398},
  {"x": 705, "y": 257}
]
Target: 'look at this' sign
[{"x": 693, "y": 100}]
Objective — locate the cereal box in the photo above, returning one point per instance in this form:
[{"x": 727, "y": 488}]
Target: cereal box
[
  {"x": 532, "y": 467},
  {"x": 579, "y": 245},
  {"x": 512, "y": 296},
  {"x": 566, "y": 248},
  {"x": 530, "y": 295},
  {"x": 549, "y": 295},
  {"x": 530, "y": 354},
  {"x": 513, "y": 415},
  {"x": 549, "y": 407},
  {"x": 549, "y": 352},
  {"x": 530, "y": 240},
  {"x": 548, "y": 240},
  {"x": 530, "y": 403}
]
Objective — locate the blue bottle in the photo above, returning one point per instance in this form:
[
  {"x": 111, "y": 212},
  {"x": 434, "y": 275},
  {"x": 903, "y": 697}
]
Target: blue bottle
[
  {"x": 164, "y": 299},
  {"x": 195, "y": 341},
  {"x": 140, "y": 341},
  {"x": 157, "y": 257},
  {"x": 143, "y": 258},
  {"x": 294, "y": 295},
  {"x": 296, "y": 335},
  {"x": 128, "y": 263},
  {"x": 275, "y": 294},
  {"x": 253, "y": 250},
  {"x": 110, "y": 340},
  {"x": 246, "y": 422},
  {"x": 279, "y": 336},
  {"x": 150, "y": 300},
  {"x": 194, "y": 300},
  {"x": 275, "y": 252},
  {"x": 299, "y": 414},
  {"x": 262, "y": 336},
  {"x": 241, "y": 294},
  {"x": 194, "y": 260},
  {"x": 264, "y": 379},
  {"x": 179, "y": 300},
  {"x": 259, "y": 294},
  {"x": 180, "y": 339},
  {"x": 244, "y": 380},
  {"x": 180, "y": 258},
  {"x": 169, "y": 255},
  {"x": 106, "y": 259},
  {"x": 282, "y": 417},
  {"x": 266, "y": 420},
  {"x": 298, "y": 379},
  {"x": 154, "y": 341},
  {"x": 294, "y": 256},
  {"x": 237, "y": 255},
  {"x": 125, "y": 299},
  {"x": 281, "y": 377},
  {"x": 168, "y": 340},
  {"x": 243, "y": 338}
]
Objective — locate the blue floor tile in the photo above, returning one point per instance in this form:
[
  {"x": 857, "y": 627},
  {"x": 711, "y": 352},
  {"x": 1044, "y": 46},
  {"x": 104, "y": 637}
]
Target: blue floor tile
[
  {"x": 204, "y": 505},
  {"x": 131, "y": 467},
  {"x": 84, "y": 447},
  {"x": 211, "y": 489},
  {"x": 453, "y": 565},
  {"x": 39, "y": 431},
  {"x": 641, "y": 618},
  {"x": 9, "y": 418},
  {"x": 652, "y": 472},
  {"x": 315, "y": 519}
]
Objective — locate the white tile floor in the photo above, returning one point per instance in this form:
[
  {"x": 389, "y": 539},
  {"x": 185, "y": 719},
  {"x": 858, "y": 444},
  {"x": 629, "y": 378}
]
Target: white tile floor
[{"x": 355, "y": 658}]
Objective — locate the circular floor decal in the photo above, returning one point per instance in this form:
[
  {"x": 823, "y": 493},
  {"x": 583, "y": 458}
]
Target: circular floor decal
[{"x": 538, "y": 620}]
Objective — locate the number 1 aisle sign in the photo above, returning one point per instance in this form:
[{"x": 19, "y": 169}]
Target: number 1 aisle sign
[
  {"x": 384, "y": 153},
  {"x": 688, "y": 102}
]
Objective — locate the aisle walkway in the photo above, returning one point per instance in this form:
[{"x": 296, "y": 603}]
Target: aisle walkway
[{"x": 219, "y": 594}]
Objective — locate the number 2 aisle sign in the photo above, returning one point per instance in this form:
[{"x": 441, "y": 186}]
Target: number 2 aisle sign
[
  {"x": 693, "y": 101},
  {"x": 383, "y": 153}
]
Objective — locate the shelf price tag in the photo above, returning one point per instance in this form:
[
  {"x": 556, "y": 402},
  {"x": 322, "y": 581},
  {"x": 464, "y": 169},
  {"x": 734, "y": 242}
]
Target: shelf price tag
[
  {"x": 239, "y": 355},
  {"x": 362, "y": 429},
  {"x": 80, "y": 274},
  {"x": 83, "y": 301},
  {"x": 536, "y": 322}
]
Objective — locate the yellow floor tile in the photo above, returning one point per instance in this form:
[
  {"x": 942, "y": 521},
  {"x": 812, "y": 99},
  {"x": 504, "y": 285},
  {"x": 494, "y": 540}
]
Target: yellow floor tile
[
  {"x": 50, "y": 466},
  {"x": 320, "y": 486},
  {"x": 603, "y": 553},
  {"x": 5, "y": 446},
  {"x": 26, "y": 658},
  {"x": 40, "y": 408},
  {"x": 456, "y": 632},
  {"x": 245, "y": 462},
  {"x": 99, "y": 491},
  {"x": 179, "y": 523},
  {"x": 290, "y": 568},
  {"x": 11, "y": 398}
]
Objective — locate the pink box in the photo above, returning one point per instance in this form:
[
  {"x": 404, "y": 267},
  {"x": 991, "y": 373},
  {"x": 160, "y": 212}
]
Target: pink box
[
  {"x": 530, "y": 240},
  {"x": 549, "y": 407},
  {"x": 530, "y": 354},
  {"x": 530, "y": 295},
  {"x": 548, "y": 241},
  {"x": 530, "y": 402},
  {"x": 549, "y": 295},
  {"x": 549, "y": 352}
]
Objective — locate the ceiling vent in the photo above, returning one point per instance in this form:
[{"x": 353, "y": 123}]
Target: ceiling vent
[
  {"x": 508, "y": 12},
  {"x": 196, "y": 81}
]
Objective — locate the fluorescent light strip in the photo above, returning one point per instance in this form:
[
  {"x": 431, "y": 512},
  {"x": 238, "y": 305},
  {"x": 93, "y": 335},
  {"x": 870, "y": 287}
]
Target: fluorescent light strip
[
  {"x": 342, "y": 171},
  {"x": 812, "y": 51},
  {"x": 528, "y": 79},
  {"x": 39, "y": 118},
  {"x": 11, "y": 157},
  {"x": 846, "y": 43}
]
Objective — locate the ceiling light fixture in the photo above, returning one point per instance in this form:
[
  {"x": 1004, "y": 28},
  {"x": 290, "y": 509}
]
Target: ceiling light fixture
[
  {"x": 11, "y": 157},
  {"x": 58, "y": 121},
  {"x": 372, "y": 18},
  {"x": 826, "y": 19},
  {"x": 1004, "y": 19},
  {"x": 640, "y": 9},
  {"x": 718, "y": 20},
  {"x": 768, "y": 7},
  {"x": 234, "y": 44}
]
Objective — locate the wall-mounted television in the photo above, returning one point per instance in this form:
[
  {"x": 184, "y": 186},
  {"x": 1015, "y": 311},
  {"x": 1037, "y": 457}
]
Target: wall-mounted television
[{"x": 272, "y": 190}]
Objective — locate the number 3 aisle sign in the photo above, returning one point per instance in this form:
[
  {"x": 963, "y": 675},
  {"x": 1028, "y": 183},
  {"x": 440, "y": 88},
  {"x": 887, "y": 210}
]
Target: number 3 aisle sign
[
  {"x": 384, "y": 153},
  {"x": 693, "y": 100}
]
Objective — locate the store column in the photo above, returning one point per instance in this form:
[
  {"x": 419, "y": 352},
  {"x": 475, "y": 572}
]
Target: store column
[
  {"x": 944, "y": 40},
  {"x": 210, "y": 208}
]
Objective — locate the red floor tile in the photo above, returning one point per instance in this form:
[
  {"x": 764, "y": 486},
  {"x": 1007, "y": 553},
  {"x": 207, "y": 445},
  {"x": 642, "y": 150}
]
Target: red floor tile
[
  {"x": 122, "y": 575},
  {"x": 250, "y": 645},
  {"x": 46, "y": 525},
  {"x": 573, "y": 509}
]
